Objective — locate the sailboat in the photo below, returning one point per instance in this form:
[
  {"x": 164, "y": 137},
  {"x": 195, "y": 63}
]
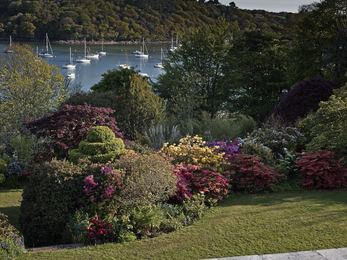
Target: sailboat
[
  {"x": 9, "y": 49},
  {"x": 83, "y": 59},
  {"x": 125, "y": 66},
  {"x": 174, "y": 48},
  {"x": 47, "y": 54},
  {"x": 69, "y": 65},
  {"x": 142, "y": 54},
  {"x": 143, "y": 74},
  {"x": 102, "y": 52},
  {"x": 160, "y": 64}
]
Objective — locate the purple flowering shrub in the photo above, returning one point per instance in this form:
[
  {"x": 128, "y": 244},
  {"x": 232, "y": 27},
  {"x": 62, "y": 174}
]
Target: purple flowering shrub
[
  {"x": 193, "y": 180},
  {"x": 11, "y": 242},
  {"x": 230, "y": 149},
  {"x": 286, "y": 137}
]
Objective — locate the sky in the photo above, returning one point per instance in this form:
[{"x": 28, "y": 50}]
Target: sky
[{"x": 269, "y": 5}]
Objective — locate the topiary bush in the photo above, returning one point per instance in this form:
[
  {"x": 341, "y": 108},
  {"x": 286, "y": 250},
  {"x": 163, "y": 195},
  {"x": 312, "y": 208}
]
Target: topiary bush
[
  {"x": 100, "y": 146},
  {"x": 66, "y": 128},
  {"x": 322, "y": 169},
  {"x": 53, "y": 193},
  {"x": 304, "y": 98},
  {"x": 11, "y": 242},
  {"x": 250, "y": 175}
]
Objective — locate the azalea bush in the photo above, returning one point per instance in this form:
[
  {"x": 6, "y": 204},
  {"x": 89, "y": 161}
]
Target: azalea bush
[
  {"x": 192, "y": 150},
  {"x": 250, "y": 175},
  {"x": 322, "y": 169},
  {"x": 193, "y": 179},
  {"x": 230, "y": 149},
  {"x": 102, "y": 191},
  {"x": 11, "y": 242}
]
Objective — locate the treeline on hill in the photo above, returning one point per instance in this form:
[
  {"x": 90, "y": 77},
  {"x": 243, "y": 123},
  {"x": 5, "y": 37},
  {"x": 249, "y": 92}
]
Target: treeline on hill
[{"x": 124, "y": 19}]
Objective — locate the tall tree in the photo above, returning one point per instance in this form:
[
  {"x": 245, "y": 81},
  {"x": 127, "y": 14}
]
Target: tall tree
[
  {"x": 256, "y": 73},
  {"x": 321, "y": 44},
  {"x": 202, "y": 53},
  {"x": 29, "y": 87}
]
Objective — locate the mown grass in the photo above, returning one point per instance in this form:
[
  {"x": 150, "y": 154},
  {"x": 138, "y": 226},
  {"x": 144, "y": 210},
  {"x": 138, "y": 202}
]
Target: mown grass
[
  {"x": 241, "y": 225},
  {"x": 10, "y": 204}
]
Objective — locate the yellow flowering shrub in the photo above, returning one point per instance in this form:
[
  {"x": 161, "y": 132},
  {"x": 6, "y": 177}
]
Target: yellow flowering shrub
[{"x": 192, "y": 150}]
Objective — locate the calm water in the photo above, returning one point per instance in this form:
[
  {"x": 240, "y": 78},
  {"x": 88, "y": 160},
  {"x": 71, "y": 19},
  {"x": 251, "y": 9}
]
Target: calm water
[{"x": 90, "y": 73}]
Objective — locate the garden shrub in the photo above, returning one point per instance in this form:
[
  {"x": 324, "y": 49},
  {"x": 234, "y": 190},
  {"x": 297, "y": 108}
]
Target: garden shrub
[
  {"x": 138, "y": 148},
  {"x": 278, "y": 139},
  {"x": 322, "y": 169},
  {"x": 148, "y": 179},
  {"x": 328, "y": 125},
  {"x": 250, "y": 175},
  {"x": 3, "y": 166},
  {"x": 229, "y": 149},
  {"x": 2, "y": 178},
  {"x": 304, "y": 98},
  {"x": 66, "y": 128},
  {"x": 11, "y": 242},
  {"x": 259, "y": 150},
  {"x": 161, "y": 134},
  {"x": 192, "y": 150},
  {"x": 15, "y": 169},
  {"x": 193, "y": 180},
  {"x": 100, "y": 146},
  {"x": 53, "y": 193}
]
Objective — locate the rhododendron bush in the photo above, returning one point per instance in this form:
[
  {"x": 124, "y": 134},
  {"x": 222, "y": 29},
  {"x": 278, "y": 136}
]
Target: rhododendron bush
[
  {"x": 249, "y": 174},
  {"x": 192, "y": 180},
  {"x": 322, "y": 169}
]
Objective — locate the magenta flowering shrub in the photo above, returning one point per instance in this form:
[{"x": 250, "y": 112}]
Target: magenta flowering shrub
[
  {"x": 230, "y": 150},
  {"x": 193, "y": 180},
  {"x": 101, "y": 193}
]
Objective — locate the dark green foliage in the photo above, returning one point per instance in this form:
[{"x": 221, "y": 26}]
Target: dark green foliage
[
  {"x": 303, "y": 99},
  {"x": 100, "y": 146},
  {"x": 113, "y": 80},
  {"x": 256, "y": 68},
  {"x": 52, "y": 194},
  {"x": 137, "y": 107},
  {"x": 2, "y": 178},
  {"x": 3, "y": 165}
]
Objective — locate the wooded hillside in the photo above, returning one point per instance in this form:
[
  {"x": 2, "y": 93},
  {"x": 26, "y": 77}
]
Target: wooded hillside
[{"x": 124, "y": 19}]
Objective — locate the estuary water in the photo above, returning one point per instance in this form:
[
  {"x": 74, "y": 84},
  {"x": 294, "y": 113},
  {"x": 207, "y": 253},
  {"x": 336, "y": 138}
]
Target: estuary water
[{"x": 88, "y": 74}]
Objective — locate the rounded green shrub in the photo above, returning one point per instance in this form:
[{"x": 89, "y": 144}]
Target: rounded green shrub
[
  {"x": 100, "y": 146},
  {"x": 100, "y": 134},
  {"x": 52, "y": 194},
  {"x": 259, "y": 150}
]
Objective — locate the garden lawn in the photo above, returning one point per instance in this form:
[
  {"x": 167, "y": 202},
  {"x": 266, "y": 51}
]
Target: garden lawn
[
  {"x": 241, "y": 225},
  {"x": 10, "y": 204}
]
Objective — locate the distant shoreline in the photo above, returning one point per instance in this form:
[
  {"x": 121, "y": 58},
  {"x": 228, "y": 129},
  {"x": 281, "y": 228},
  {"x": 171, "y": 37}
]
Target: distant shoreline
[{"x": 93, "y": 42}]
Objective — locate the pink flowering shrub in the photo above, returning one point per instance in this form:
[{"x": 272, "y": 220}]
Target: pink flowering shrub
[
  {"x": 250, "y": 175},
  {"x": 322, "y": 169},
  {"x": 101, "y": 194},
  {"x": 193, "y": 179}
]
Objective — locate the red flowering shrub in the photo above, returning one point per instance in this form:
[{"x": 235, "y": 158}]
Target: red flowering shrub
[
  {"x": 251, "y": 175},
  {"x": 322, "y": 169},
  {"x": 192, "y": 180},
  {"x": 99, "y": 231}
]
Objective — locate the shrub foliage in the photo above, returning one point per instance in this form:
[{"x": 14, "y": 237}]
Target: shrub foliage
[{"x": 322, "y": 169}]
